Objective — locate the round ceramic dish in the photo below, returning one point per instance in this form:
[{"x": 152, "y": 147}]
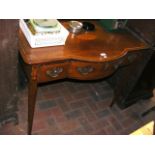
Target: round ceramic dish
[{"x": 45, "y": 23}]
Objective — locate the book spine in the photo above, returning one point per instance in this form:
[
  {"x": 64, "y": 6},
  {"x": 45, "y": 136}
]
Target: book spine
[{"x": 26, "y": 32}]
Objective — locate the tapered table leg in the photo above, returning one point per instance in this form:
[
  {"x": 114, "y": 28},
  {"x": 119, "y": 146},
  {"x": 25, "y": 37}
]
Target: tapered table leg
[
  {"x": 32, "y": 92},
  {"x": 128, "y": 78}
]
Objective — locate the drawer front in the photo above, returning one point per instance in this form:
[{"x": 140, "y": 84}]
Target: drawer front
[
  {"x": 53, "y": 71},
  {"x": 90, "y": 71}
]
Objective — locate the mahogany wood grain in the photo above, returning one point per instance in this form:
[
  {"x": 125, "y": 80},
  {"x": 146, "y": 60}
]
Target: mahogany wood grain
[
  {"x": 86, "y": 46},
  {"x": 43, "y": 75},
  {"x": 90, "y": 70},
  {"x": 80, "y": 58},
  {"x": 32, "y": 92}
]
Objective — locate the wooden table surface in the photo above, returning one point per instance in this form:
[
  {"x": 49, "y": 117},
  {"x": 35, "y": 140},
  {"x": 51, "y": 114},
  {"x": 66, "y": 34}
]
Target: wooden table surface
[{"x": 86, "y": 46}]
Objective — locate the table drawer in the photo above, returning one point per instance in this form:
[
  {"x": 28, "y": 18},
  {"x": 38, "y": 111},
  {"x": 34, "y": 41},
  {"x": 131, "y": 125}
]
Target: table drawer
[
  {"x": 90, "y": 71},
  {"x": 53, "y": 71}
]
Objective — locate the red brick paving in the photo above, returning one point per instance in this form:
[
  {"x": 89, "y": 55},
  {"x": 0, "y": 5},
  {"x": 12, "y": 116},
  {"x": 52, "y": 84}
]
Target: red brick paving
[{"x": 78, "y": 108}]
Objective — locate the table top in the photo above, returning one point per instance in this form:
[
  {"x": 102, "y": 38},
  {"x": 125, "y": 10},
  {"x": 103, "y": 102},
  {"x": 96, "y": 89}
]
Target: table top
[{"x": 86, "y": 46}]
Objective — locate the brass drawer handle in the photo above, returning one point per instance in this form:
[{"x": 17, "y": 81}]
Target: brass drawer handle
[
  {"x": 85, "y": 70},
  {"x": 54, "y": 72}
]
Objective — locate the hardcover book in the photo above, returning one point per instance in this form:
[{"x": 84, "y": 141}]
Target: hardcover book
[
  {"x": 45, "y": 25},
  {"x": 36, "y": 39}
]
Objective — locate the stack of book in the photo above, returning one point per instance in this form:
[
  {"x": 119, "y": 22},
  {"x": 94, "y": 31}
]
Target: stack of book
[{"x": 43, "y": 32}]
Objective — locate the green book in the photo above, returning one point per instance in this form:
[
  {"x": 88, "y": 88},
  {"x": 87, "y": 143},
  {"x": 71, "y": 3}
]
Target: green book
[{"x": 113, "y": 24}]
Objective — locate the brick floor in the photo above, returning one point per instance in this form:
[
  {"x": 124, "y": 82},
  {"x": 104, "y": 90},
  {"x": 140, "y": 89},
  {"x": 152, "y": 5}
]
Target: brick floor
[{"x": 78, "y": 108}]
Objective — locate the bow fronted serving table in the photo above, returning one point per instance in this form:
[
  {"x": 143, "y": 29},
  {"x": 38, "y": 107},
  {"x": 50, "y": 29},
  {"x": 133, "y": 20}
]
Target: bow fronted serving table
[{"x": 85, "y": 56}]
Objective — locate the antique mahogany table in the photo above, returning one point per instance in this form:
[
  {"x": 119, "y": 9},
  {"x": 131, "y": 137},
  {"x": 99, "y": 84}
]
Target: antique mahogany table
[{"x": 86, "y": 56}]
